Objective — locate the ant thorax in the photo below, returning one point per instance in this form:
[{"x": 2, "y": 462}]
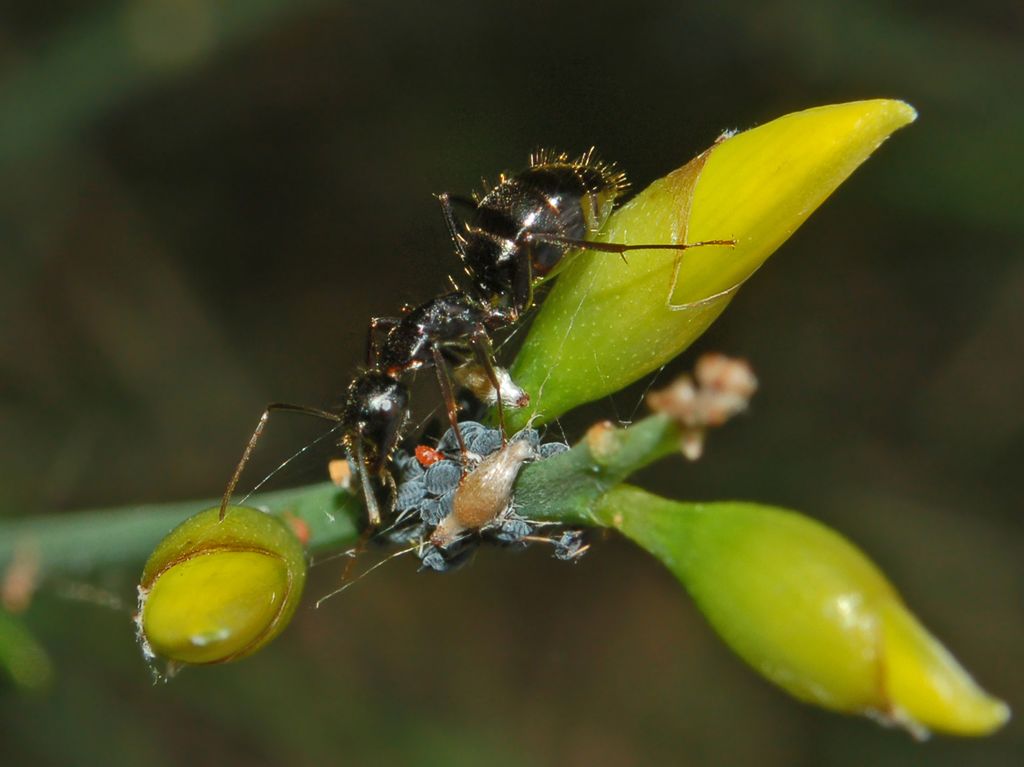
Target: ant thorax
[{"x": 446, "y": 322}]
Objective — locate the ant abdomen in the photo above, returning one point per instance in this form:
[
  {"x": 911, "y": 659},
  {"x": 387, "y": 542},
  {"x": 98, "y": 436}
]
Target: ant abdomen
[{"x": 565, "y": 199}]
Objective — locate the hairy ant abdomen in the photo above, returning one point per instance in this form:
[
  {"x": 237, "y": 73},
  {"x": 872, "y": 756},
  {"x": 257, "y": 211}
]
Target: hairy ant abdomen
[{"x": 502, "y": 240}]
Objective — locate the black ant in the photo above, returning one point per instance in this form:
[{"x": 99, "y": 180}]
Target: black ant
[
  {"x": 514, "y": 236},
  {"x": 518, "y": 233}
]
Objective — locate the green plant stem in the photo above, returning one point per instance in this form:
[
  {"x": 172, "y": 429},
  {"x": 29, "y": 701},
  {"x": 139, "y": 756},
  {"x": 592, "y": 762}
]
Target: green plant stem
[
  {"x": 85, "y": 541},
  {"x": 565, "y": 488}
]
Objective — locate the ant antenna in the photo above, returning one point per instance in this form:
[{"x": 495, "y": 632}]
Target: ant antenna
[
  {"x": 288, "y": 460},
  {"x": 323, "y": 560},
  {"x": 257, "y": 433},
  {"x": 362, "y": 575},
  {"x": 653, "y": 378}
]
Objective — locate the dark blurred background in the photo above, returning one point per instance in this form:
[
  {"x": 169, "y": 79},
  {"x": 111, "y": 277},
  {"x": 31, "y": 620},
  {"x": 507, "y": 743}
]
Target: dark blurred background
[{"x": 203, "y": 202}]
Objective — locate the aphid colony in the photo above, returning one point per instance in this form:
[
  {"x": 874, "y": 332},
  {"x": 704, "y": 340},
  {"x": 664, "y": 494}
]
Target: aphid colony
[
  {"x": 446, "y": 510},
  {"x": 508, "y": 240}
]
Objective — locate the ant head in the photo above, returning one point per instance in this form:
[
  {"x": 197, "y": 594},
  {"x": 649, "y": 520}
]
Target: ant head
[
  {"x": 376, "y": 408},
  {"x": 490, "y": 262}
]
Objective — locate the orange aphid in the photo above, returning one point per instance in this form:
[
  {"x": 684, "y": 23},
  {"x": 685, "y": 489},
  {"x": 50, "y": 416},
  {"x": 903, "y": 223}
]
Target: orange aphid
[{"x": 428, "y": 456}]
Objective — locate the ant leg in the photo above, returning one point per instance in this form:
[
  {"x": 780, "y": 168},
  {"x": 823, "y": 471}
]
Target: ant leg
[
  {"x": 373, "y": 515},
  {"x": 441, "y": 366},
  {"x": 481, "y": 343},
  {"x": 356, "y": 551},
  {"x": 258, "y": 431},
  {"x": 621, "y": 248},
  {"x": 522, "y": 284},
  {"x": 448, "y": 212},
  {"x": 377, "y": 324},
  {"x": 459, "y": 199},
  {"x": 618, "y": 247}
]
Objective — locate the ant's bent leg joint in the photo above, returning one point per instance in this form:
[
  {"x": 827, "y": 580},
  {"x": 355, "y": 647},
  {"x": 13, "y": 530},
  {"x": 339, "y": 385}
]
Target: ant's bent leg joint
[
  {"x": 448, "y": 393},
  {"x": 258, "y": 432},
  {"x": 376, "y": 325}
]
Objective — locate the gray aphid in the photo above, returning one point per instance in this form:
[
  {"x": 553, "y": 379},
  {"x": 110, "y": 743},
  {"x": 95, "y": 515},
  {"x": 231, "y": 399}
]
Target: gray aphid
[
  {"x": 469, "y": 429},
  {"x": 408, "y": 467},
  {"x": 485, "y": 442},
  {"x": 408, "y": 534},
  {"x": 432, "y": 512},
  {"x": 410, "y": 495},
  {"x": 442, "y": 477},
  {"x": 527, "y": 435},
  {"x": 549, "y": 449},
  {"x": 513, "y": 529},
  {"x": 434, "y": 559},
  {"x": 570, "y": 545}
]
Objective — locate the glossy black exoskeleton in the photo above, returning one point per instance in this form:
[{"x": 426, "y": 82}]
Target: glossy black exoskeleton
[
  {"x": 519, "y": 231},
  {"x": 509, "y": 240},
  {"x": 454, "y": 325},
  {"x": 372, "y": 418},
  {"x": 445, "y": 331}
]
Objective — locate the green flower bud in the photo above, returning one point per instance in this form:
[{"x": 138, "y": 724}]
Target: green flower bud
[
  {"x": 217, "y": 590},
  {"x": 808, "y": 610},
  {"x": 609, "y": 321}
]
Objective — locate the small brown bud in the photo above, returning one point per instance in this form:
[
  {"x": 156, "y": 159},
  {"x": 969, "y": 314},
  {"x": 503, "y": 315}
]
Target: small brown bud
[{"x": 720, "y": 388}]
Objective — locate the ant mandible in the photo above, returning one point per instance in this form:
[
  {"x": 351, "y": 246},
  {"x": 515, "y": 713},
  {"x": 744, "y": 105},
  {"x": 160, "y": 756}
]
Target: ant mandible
[{"x": 514, "y": 236}]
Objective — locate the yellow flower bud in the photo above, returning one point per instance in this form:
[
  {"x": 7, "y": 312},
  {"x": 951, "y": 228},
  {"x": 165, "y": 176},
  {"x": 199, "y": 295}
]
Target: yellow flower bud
[
  {"x": 609, "y": 321},
  {"x": 809, "y": 611},
  {"x": 217, "y": 590}
]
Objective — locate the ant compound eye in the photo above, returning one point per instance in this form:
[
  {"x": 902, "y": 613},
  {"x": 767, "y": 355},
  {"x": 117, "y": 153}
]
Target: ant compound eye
[{"x": 217, "y": 590}]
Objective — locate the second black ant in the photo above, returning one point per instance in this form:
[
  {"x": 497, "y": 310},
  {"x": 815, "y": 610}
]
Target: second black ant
[{"x": 511, "y": 238}]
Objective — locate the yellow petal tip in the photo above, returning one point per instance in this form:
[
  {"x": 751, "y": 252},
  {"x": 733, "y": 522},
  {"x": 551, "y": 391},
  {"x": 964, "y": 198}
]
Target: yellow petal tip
[
  {"x": 608, "y": 322},
  {"x": 760, "y": 185},
  {"x": 926, "y": 687},
  {"x": 905, "y": 111},
  {"x": 812, "y": 613}
]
